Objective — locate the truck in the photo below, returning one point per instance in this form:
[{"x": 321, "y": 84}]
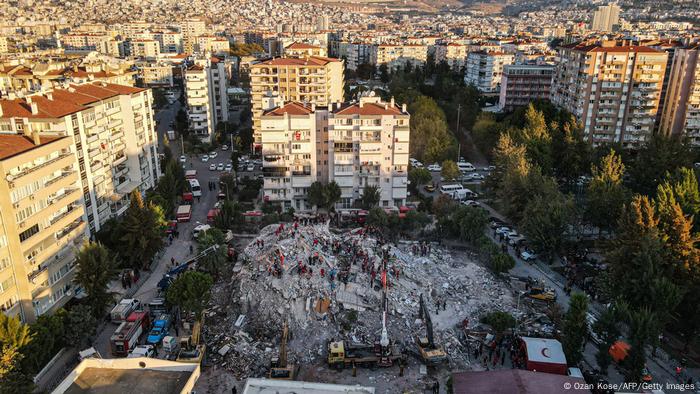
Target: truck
[
  {"x": 342, "y": 354},
  {"x": 191, "y": 174},
  {"x": 122, "y": 310},
  {"x": 184, "y": 213},
  {"x": 157, "y": 307},
  {"x": 140, "y": 316},
  {"x": 171, "y": 135},
  {"x": 126, "y": 337},
  {"x": 160, "y": 329}
]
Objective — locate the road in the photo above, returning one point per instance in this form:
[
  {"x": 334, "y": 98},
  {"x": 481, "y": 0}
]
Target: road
[{"x": 180, "y": 248}]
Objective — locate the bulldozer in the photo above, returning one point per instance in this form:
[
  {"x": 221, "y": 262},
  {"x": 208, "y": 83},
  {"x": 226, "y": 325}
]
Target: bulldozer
[
  {"x": 430, "y": 353},
  {"x": 541, "y": 293},
  {"x": 279, "y": 367}
]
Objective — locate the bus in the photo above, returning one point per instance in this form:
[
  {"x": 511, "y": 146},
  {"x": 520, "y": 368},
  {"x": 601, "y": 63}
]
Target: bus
[{"x": 450, "y": 189}]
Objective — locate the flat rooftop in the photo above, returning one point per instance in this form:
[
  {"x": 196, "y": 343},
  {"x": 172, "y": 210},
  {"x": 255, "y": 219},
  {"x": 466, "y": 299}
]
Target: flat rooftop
[
  {"x": 267, "y": 386},
  {"x": 131, "y": 375}
]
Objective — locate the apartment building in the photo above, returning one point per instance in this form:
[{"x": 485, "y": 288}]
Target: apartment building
[
  {"x": 311, "y": 80},
  {"x": 156, "y": 74},
  {"x": 485, "y": 70},
  {"x": 41, "y": 222},
  {"x": 302, "y": 49},
  {"x": 612, "y": 89},
  {"x": 86, "y": 42},
  {"x": 191, "y": 29},
  {"x": 452, "y": 53},
  {"x": 211, "y": 44},
  {"x": 681, "y": 111},
  {"x": 355, "y": 53},
  {"x": 206, "y": 84},
  {"x": 398, "y": 55},
  {"x": 112, "y": 131},
  {"x": 606, "y": 18},
  {"x": 146, "y": 49},
  {"x": 4, "y": 44},
  {"x": 170, "y": 41},
  {"x": 523, "y": 83},
  {"x": 356, "y": 145}
]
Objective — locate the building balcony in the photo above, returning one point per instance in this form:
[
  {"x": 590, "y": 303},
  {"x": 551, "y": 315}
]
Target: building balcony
[{"x": 55, "y": 161}]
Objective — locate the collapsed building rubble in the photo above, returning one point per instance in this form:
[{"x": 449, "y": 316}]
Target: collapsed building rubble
[{"x": 327, "y": 286}]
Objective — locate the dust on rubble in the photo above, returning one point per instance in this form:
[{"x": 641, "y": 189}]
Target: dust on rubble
[{"x": 279, "y": 278}]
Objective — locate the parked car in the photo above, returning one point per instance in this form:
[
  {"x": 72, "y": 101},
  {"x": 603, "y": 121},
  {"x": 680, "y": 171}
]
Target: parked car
[
  {"x": 489, "y": 168},
  {"x": 142, "y": 351},
  {"x": 470, "y": 203},
  {"x": 220, "y": 167},
  {"x": 503, "y": 230},
  {"x": 205, "y": 158},
  {"x": 213, "y": 155},
  {"x": 435, "y": 167},
  {"x": 528, "y": 255},
  {"x": 212, "y": 167},
  {"x": 183, "y": 159},
  {"x": 250, "y": 168},
  {"x": 430, "y": 187},
  {"x": 476, "y": 176},
  {"x": 229, "y": 167},
  {"x": 224, "y": 147}
]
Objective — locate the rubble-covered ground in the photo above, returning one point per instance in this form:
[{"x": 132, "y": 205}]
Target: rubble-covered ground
[{"x": 246, "y": 315}]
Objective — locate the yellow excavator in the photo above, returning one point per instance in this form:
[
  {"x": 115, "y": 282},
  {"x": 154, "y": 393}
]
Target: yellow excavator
[
  {"x": 429, "y": 351},
  {"x": 279, "y": 367},
  {"x": 191, "y": 351}
]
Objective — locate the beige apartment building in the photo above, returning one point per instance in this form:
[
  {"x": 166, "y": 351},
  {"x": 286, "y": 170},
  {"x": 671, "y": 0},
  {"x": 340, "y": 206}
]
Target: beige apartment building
[
  {"x": 681, "y": 112},
  {"x": 302, "y": 49},
  {"x": 398, "y": 55},
  {"x": 311, "y": 80},
  {"x": 614, "y": 90},
  {"x": 147, "y": 49},
  {"x": 356, "y": 145},
  {"x": 485, "y": 70},
  {"x": 41, "y": 222},
  {"x": 212, "y": 44},
  {"x": 112, "y": 131},
  {"x": 191, "y": 29},
  {"x": 454, "y": 54}
]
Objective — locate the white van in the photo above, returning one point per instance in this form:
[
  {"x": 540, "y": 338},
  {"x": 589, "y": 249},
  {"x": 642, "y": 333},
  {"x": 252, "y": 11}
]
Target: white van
[
  {"x": 196, "y": 189},
  {"x": 450, "y": 189},
  {"x": 465, "y": 166}
]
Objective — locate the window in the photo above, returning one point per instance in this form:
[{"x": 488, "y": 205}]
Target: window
[
  {"x": 6, "y": 284},
  {"x": 26, "y": 234}
]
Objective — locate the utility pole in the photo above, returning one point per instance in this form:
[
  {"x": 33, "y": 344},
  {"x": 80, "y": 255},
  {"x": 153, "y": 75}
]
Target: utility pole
[
  {"x": 182, "y": 144},
  {"x": 459, "y": 146}
]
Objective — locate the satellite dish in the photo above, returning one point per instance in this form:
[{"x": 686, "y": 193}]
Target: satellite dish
[{"x": 371, "y": 93}]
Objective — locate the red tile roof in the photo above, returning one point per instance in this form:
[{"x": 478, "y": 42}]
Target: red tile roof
[
  {"x": 290, "y": 61},
  {"x": 369, "y": 109},
  {"x": 14, "y": 144},
  {"x": 302, "y": 45},
  {"x": 291, "y": 108}
]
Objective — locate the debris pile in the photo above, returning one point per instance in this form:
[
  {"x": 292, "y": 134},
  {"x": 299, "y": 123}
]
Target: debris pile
[{"x": 328, "y": 285}]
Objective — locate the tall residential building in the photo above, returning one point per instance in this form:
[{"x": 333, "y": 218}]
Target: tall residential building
[
  {"x": 191, "y": 29},
  {"x": 211, "y": 44},
  {"x": 112, "y": 131},
  {"x": 454, "y": 54},
  {"x": 206, "y": 83},
  {"x": 398, "y": 55},
  {"x": 302, "y": 49},
  {"x": 311, "y": 80},
  {"x": 523, "y": 83},
  {"x": 606, "y": 18},
  {"x": 485, "y": 69},
  {"x": 355, "y": 53},
  {"x": 612, "y": 89},
  {"x": 148, "y": 49},
  {"x": 681, "y": 112},
  {"x": 41, "y": 221},
  {"x": 356, "y": 145},
  {"x": 170, "y": 41}
]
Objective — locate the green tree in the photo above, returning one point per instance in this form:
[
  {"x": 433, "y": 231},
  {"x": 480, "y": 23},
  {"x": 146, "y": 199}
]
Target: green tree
[
  {"x": 450, "y": 171},
  {"x": 48, "y": 337},
  {"x": 332, "y": 194},
  {"x": 80, "y": 326},
  {"x": 443, "y": 206},
  {"x": 486, "y": 132},
  {"x": 95, "y": 268},
  {"x": 431, "y": 140},
  {"x": 317, "y": 194},
  {"x": 608, "y": 331},
  {"x": 575, "y": 330},
  {"x": 418, "y": 177},
  {"x": 606, "y": 195},
  {"x": 681, "y": 187},
  {"x": 546, "y": 221},
  {"x": 191, "y": 292},
  {"x": 383, "y": 73},
  {"x": 570, "y": 153},
  {"x": 377, "y": 217},
  {"x": 142, "y": 230},
  {"x": 467, "y": 223},
  {"x": 370, "y": 197},
  {"x": 499, "y": 321},
  {"x": 13, "y": 336},
  {"x": 642, "y": 331},
  {"x": 227, "y": 183},
  {"x": 230, "y": 216},
  {"x": 660, "y": 156},
  {"x": 502, "y": 262},
  {"x": 536, "y": 138},
  {"x": 213, "y": 262}
]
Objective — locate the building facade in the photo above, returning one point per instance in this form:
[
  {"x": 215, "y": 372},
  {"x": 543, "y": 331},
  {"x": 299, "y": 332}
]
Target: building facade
[
  {"x": 113, "y": 135},
  {"x": 311, "y": 80},
  {"x": 606, "y": 18},
  {"x": 612, "y": 89},
  {"x": 521, "y": 84},
  {"x": 355, "y": 145},
  {"x": 41, "y": 223},
  {"x": 301, "y": 49},
  {"x": 681, "y": 112},
  {"x": 485, "y": 69},
  {"x": 206, "y": 84},
  {"x": 454, "y": 54},
  {"x": 190, "y": 30},
  {"x": 399, "y": 55}
]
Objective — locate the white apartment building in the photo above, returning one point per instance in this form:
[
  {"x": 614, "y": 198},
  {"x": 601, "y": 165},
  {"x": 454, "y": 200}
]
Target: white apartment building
[
  {"x": 112, "y": 131},
  {"x": 355, "y": 53},
  {"x": 206, "y": 84},
  {"x": 398, "y": 55},
  {"x": 156, "y": 74},
  {"x": 302, "y": 49},
  {"x": 614, "y": 90},
  {"x": 191, "y": 29},
  {"x": 41, "y": 221},
  {"x": 454, "y": 54},
  {"x": 485, "y": 69},
  {"x": 148, "y": 49},
  {"x": 311, "y": 80},
  {"x": 356, "y": 145},
  {"x": 681, "y": 112},
  {"x": 170, "y": 41},
  {"x": 211, "y": 44}
]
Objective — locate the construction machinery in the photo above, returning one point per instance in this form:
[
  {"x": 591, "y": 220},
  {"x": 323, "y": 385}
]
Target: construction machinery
[
  {"x": 430, "y": 353},
  {"x": 191, "y": 351},
  {"x": 279, "y": 367},
  {"x": 542, "y": 293}
]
